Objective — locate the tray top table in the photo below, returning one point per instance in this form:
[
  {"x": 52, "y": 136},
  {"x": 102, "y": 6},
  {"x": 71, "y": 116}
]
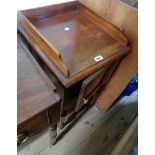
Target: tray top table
[{"x": 72, "y": 40}]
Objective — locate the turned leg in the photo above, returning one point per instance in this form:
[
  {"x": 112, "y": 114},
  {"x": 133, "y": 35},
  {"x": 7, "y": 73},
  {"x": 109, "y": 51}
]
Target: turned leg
[
  {"x": 62, "y": 119},
  {"x": 53, "y": 134},
  {"x": 52, "y": 130}
]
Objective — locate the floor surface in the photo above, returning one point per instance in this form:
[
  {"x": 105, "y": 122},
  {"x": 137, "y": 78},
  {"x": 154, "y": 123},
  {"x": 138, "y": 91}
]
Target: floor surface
[{"x": 95, "y": 133}]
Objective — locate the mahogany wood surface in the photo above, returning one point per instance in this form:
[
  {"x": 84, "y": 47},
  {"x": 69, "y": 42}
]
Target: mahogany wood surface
[
  {"x": 93, "y": 85},
  {"x": 67, "y": 82},
  {"x": 35, "y": 93},
  {"x": 124, "y": 18},
  {"x": 72, "y": 52},
  {"x": 88, "y": 87}
]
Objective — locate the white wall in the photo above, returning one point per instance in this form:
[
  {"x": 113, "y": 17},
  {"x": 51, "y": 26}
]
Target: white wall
[{"x": 27, "y": 4}]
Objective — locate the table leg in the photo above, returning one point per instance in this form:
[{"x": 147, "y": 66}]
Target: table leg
[
  {"x": 62, "y": 119},
  {"x": 53, "y": 134}
]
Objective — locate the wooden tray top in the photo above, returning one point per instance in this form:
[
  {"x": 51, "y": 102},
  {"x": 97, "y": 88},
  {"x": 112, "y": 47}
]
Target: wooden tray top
[
  {"x": 35, "y": 93},
  {"x": 71, "y": 35}
]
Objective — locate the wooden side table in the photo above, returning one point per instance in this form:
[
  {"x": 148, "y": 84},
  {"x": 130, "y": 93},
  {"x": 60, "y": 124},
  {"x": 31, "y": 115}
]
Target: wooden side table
[
  {"x": 73, "y": 45},
  {"x": 38, "y": 103}
]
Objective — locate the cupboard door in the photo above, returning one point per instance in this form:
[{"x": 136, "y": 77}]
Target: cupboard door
[
  {"x": 89, "y": 85},
  {"x": 92, "y": 85}
]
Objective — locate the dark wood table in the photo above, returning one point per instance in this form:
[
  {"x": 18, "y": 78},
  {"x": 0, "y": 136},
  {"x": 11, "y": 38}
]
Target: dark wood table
[
  {"x": 78, "y": 49},
  {"x": 38, "y": 104}
]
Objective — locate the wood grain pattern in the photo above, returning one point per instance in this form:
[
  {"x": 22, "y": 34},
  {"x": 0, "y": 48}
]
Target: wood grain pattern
[
  {"x": 67, "y": 82},
  {"x": 95, "y": 130},
  {"x": 43, "y": 43},
  {"x": 35, "y": 93},
  {"x": 93, "y": 85},
  {"x": 72, "y": 51},
  {"x": 128, "y": 141},
  {"x": 126, "y": 19},
  {"x": 88, "y": 87}
]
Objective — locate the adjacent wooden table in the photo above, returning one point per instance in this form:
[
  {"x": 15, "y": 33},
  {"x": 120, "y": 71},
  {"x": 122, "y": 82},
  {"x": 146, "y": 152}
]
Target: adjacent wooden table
[
  {"x": 71, "y": 42},
  {"x": 38, "y": 103}
]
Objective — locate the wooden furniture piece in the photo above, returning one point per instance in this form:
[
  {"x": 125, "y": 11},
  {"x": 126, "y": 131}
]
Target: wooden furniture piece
[
  {"x": 125, "y": 18},
  {"x": 71, "y": 43},
  {"x": 93, "y": 84},
  {"x": 71, "y": 36},
  {"x": 38, "y": 103}
]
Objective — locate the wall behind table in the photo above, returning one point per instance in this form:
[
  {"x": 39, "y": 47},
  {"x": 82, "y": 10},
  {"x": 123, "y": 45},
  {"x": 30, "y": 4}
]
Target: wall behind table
[{"x": 27, "y": 4}]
